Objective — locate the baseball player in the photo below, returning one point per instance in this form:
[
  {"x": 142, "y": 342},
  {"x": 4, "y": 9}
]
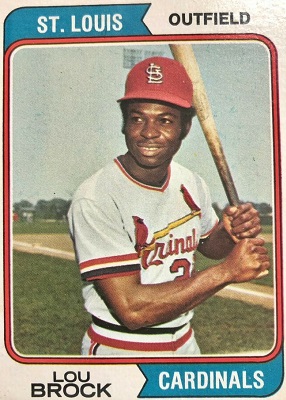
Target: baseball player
[{"x": 138, "y": 222}]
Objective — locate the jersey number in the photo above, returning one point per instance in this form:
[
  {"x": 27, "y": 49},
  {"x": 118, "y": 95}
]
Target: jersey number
[{"x": 182, "y": 264}]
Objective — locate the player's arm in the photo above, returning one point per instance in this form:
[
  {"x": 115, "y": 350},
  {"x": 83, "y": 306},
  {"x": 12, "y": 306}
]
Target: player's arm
[
  {"x": 238, "y": 223},
  {"x": 137, "y": 305}
]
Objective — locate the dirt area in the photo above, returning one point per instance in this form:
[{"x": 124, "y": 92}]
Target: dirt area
[
  {"x": 60, "y": 241},
  {"x": 57, "y": 245},
  {"x": 60, "y": 245},
  {"x": 251, "y": 293}
]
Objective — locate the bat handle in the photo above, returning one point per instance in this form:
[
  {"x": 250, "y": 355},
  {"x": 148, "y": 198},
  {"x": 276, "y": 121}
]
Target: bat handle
[{"x": 228, "y": 184}]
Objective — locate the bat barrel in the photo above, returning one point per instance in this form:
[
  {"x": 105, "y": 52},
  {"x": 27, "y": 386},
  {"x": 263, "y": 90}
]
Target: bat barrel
[{"x": 185, "y": 55}]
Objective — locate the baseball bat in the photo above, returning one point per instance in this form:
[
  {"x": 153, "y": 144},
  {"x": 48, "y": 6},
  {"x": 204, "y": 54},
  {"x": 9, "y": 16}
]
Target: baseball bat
[{"x": 185, "y": 55}]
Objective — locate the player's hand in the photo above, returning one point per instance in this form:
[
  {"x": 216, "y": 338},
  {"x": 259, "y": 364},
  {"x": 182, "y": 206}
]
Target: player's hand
[
  {"x": 242, "y": 221},
  {"x": 248, "y": 260}
]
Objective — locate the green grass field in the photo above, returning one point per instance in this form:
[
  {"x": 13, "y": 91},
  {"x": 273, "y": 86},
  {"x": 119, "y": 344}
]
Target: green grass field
[
  {"x": 40, "y": 226},
  {"x": 227, "y": 326},
  {"x": 49, "y": 318}
]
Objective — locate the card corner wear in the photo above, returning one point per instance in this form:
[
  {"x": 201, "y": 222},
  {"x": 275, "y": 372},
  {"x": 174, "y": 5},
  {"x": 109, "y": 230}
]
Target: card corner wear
[{"x": 143, "y": 188}]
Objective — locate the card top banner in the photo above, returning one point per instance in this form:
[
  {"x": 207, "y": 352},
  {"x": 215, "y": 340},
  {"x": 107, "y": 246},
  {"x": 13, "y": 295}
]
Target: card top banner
[{"x": 125, "y": 20}]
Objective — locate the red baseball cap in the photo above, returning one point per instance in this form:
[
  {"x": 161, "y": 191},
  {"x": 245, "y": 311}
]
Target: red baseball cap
[{"x": 159, "y": 78}]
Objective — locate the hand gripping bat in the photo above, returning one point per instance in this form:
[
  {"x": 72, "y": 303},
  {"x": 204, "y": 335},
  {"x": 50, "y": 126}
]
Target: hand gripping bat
[{"x": 185, "y": 55}]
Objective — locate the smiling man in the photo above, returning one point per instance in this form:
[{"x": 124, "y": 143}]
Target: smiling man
[{"x": 138, "y": 222}]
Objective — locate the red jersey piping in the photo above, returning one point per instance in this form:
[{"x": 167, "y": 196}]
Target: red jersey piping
[{"x": 149, "y": 187}]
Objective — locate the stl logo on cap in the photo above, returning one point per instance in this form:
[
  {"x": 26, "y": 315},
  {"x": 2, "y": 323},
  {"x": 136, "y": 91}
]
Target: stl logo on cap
[
  {"x": 160, "y": 79},
  {"x": 154, "y": 73}
]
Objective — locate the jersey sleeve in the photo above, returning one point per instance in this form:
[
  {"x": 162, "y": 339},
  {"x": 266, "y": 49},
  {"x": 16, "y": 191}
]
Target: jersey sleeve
[{"x": 102, "y": 245}]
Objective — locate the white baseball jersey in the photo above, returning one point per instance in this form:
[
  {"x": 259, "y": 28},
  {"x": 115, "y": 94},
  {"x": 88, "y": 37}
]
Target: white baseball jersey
[{"x": 120, "y": 227}]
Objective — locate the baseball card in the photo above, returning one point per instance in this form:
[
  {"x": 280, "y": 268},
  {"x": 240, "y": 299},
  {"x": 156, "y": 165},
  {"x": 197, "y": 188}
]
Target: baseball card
[{"x": 143, "y": 184}]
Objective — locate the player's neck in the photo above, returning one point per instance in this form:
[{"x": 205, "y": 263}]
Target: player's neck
[{"x": 153, "y": 176}]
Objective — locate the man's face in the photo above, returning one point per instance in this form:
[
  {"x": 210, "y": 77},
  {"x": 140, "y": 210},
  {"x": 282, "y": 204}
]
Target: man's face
[{"x": 152, "y": 133}]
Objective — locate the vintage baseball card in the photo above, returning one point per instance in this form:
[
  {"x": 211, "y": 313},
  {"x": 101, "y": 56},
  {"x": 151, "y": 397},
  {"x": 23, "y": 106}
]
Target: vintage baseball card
[{"x": 143, "y": 184}]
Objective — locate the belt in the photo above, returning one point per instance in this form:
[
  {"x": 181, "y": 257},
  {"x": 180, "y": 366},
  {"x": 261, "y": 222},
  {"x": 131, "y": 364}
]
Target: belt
[
  {"x": 139, "y": 346},
  {"x": 140, "y": 331}
]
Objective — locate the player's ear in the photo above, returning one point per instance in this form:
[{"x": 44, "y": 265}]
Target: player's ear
[
  {"x": 186, "y": 127},
  {"x": 124, "y": 113},
  {"x": 186, "y": 121}
]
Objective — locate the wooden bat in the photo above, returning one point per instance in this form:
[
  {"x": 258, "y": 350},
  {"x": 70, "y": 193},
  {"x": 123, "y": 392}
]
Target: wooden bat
[{"x": 185, "y": 55}]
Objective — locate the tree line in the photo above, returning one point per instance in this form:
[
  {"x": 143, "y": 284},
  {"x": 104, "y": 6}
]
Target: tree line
[{"x": 57, "y": 209}]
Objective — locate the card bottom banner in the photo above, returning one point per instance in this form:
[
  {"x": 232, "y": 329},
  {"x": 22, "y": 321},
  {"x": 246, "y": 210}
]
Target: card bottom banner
[{"x": 212, "y": 379}]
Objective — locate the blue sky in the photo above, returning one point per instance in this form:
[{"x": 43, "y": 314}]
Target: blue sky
[{"x": 66, "y": 123}]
